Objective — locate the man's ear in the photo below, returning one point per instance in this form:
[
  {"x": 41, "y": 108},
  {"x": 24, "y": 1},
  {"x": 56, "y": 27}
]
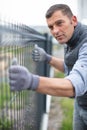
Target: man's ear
[{"x": 74, "y": 20}]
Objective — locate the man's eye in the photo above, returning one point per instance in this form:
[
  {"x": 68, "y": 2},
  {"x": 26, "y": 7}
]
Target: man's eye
[
  {"x": 59, "y": 23},
  {"x": 50, "y": 27}
]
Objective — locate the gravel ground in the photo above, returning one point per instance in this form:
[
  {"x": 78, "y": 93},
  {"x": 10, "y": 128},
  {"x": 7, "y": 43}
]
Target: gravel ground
[{"x": 55, "y": 115}]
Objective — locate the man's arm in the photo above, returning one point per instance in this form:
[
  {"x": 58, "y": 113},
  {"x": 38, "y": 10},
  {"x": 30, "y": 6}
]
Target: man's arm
[
  {"x": 21, "y": 79},
  {"x": 57, "y": 63},
  {"x": 56, "y": 87}
]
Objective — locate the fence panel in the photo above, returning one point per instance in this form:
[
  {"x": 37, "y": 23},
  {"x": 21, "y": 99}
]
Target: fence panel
[{"x": 21, "y": 110}]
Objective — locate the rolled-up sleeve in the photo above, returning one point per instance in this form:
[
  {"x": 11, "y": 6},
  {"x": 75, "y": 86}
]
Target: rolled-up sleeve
[{"x": 78, "y": 75}]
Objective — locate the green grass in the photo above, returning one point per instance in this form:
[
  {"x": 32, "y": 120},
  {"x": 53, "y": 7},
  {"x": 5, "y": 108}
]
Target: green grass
[
  {"x": 6, "y": 124},
  {"x": 11, "y": 99},
  {"x": 67, "y": 108},
  {"x": 59, "y": 75},
  {"x": 4, "y": 94}
]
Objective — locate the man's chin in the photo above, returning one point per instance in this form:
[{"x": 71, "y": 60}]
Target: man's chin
[{"x": 61, "y": 42}]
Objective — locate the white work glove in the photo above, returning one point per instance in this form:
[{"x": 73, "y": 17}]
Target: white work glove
[
  {"x": 21, "y": 79},
  {"x": 39, "y": 54}
]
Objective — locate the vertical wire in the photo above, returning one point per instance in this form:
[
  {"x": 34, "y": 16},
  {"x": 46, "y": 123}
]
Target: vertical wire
[
  {"x": 23, "y": 92},
  {"x": 5, "y": 80},
  {"x": 1, "y": 87},
  {"x": 21, "y": 59},
  {"x": 11, "y": 94}
]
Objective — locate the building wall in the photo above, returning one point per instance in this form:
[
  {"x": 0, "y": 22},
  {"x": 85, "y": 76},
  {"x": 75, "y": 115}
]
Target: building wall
[{"x": 82, "y": 9}]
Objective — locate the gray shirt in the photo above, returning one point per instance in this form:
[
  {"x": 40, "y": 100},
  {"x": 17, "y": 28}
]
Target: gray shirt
[{"x": 78, "y": 74}]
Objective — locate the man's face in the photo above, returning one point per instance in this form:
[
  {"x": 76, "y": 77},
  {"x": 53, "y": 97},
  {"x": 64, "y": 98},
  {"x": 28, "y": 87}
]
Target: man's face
[{"x": 61, "y": 26}]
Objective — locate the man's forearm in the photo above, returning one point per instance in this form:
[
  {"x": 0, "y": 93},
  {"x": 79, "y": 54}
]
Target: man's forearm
[
  {"x": 55, "y": 87},
  {"x": 57, "y": 63}
]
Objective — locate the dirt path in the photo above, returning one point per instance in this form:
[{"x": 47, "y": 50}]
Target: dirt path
[{"x": 55, "y": 115}]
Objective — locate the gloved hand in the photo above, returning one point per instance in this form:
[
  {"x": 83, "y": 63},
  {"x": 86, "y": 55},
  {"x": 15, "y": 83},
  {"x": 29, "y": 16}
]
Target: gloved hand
[
  {"x": 21, "y": 79},
  {"x": 39, "y": 55}
]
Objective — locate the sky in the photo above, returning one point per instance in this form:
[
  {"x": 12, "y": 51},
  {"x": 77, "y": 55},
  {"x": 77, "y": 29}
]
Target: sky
[{"x": 30, "y": 12}]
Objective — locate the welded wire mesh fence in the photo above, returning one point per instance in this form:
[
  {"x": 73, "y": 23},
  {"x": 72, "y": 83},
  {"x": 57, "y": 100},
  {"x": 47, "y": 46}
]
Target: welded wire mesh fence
[{"x": 21, "y": 110}]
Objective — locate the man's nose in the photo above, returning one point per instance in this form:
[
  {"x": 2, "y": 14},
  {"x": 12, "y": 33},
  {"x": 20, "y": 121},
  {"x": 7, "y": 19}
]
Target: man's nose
[{"x": 55, "y": 30}]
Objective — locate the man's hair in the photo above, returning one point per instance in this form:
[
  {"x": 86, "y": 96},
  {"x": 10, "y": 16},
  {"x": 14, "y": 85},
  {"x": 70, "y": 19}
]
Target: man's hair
[{"x": 59, "y": 7}]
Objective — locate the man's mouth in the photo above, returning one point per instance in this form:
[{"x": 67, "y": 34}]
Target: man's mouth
[{"x": 59, "y": 37}]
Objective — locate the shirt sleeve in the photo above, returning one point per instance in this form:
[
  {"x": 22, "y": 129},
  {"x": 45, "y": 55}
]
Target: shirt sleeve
[{"x": 78, "y": 75}]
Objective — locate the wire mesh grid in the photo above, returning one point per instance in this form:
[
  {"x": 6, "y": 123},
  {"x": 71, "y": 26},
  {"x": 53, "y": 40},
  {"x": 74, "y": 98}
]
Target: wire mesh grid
[{"x": 18, "y": 110}]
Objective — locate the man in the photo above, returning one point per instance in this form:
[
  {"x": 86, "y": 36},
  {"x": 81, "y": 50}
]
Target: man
[{"x": 67, "y": 30}]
